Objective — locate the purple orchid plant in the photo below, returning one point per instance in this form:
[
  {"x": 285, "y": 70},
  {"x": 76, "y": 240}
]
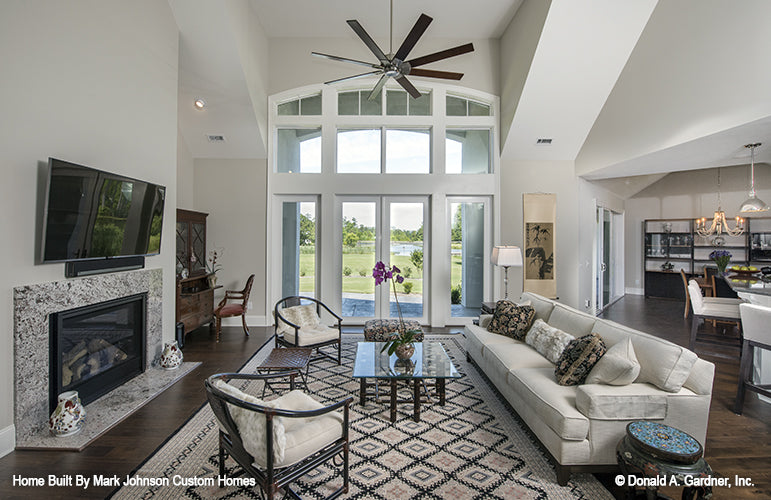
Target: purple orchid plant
[{"x": 382, "y": 273}]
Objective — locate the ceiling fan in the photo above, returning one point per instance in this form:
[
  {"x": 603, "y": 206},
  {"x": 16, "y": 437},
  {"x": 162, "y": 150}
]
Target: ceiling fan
[{"x": 394, "y": 65}]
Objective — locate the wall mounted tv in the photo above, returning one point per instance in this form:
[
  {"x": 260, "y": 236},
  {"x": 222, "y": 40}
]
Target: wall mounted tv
[{"x": 92, "y": 214}]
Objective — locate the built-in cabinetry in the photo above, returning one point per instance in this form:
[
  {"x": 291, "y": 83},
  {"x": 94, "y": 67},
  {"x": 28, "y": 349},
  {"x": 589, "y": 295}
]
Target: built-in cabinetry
[
  {"x": 671, "y": 245},
  {"x": 195, "y": 296}
]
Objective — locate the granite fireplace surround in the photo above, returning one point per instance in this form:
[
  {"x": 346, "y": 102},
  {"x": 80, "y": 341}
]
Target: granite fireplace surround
[{"x": 32, "y": 306}]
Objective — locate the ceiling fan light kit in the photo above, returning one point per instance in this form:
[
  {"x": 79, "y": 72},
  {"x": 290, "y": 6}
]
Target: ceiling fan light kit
[{"x": 395, "y": 65}]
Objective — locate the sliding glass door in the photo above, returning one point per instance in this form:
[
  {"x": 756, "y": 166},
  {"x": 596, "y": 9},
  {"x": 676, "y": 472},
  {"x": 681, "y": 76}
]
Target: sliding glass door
[{"x": 388, "y": 229}]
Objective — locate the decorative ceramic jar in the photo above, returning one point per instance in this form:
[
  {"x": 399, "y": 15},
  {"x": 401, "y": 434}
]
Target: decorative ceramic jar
[
  {"x": 405, "y": 351},
  {"x": 171, "y": 357},
  {"x": 69, "y": 415}
]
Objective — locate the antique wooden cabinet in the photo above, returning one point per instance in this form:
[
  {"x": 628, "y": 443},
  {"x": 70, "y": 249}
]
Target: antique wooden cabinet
[{"x": 195, "y": 297}]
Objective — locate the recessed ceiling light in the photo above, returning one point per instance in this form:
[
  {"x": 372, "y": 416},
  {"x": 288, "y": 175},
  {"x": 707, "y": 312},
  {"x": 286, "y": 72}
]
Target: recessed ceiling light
[{"x": 199, "y": 104}]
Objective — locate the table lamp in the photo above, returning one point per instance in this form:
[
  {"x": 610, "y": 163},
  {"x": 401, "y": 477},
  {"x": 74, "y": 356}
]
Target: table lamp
[{"x": 506, "y": 257}]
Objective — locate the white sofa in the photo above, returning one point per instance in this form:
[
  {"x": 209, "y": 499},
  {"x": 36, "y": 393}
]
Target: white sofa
[{"x": 581, "y": 425}]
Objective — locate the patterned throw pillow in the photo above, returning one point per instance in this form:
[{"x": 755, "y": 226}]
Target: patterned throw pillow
[
  {"x": 304, "y": 315},
  {"x": 547, "y": 340},
  {"x": 578, "y": 359},
  {"x": 511, "y": 320}
]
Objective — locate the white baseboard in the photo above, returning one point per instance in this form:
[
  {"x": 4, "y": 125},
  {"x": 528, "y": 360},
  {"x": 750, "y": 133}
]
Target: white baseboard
[
  {"x": 250, "y": 321},
  {"x": 634, "y": 291},
  {"x": 7, "y": 440}
]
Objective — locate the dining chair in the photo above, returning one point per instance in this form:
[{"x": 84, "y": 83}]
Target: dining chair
[
  {"x": 757, "y": 334},
  {"x": 711, "y": 308}
]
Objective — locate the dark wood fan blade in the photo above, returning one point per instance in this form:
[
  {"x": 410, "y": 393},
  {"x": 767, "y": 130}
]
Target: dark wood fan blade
[
  {"x": 353, "y": 77},
  {"x": 444, "y": 54},
  {"x": 447, "y": 75},
  {"x": 406, "y": 85},
  {"x": 344, "y": 59},
  {"x": 368, "y": 41},
  {"x": 378, "y": 88},
  {"x": 412, "y": 38}
]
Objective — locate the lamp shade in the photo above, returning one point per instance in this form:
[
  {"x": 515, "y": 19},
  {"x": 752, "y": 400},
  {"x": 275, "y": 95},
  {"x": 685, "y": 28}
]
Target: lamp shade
[{"x": 506, "y": 256}]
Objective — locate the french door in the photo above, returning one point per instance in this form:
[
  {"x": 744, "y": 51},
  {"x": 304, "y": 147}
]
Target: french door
[
  {"x": 392, "y": 229},
  {"x": 609, "y": 263}
]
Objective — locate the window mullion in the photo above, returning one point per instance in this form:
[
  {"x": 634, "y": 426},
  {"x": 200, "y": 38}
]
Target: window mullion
[{"x": 382, "y": 150}]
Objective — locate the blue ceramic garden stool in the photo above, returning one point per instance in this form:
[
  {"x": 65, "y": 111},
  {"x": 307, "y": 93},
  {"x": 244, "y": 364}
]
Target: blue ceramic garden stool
[
  {"x": 381, "y": 330},
  {"x": 660, "y": 455}
]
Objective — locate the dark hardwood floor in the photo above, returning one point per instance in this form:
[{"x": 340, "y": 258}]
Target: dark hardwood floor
[{"x": 736, "y": 445}]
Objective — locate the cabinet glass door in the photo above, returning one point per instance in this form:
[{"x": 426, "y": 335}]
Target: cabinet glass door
[{"x": 198, "y": 249}]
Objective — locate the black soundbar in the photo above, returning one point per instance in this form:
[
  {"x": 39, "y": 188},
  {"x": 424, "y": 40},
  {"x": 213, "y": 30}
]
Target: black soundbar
[{"x": 75, "y": 268}]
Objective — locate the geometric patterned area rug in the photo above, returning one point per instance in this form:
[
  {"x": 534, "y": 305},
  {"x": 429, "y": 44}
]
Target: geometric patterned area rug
[{"x": 472, "y": 447}]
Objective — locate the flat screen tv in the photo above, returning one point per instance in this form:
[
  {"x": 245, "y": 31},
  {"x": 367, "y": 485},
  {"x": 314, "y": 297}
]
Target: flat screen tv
[{"x": 92, "y": 214}]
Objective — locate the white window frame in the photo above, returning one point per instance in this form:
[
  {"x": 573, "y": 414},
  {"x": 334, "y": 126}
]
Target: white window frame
[{"x": 328, "y": 185}]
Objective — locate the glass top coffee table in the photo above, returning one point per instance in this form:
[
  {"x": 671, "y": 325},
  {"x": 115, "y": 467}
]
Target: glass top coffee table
[{"x": 430, "y": 361}]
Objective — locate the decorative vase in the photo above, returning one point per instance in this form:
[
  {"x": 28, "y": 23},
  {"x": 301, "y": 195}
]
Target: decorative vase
[
  {"x": 69, "y": 415},
  {"x": 405, "y": 351},
  {"x": 212, "y": 280},
  {"x": 171, "y": 357}
]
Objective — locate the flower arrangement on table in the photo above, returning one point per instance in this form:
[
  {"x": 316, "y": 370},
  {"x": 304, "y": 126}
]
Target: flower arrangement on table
[
  {"x": 401, "y": 343},
  {"x": 721, "y": 259}
]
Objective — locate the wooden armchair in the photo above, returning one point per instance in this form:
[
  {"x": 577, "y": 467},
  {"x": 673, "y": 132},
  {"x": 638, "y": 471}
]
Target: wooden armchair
[
  {"x": 298, "y": 324},
  {"x": 225, "y": 310},
  {"x": 249, "y": 428}
]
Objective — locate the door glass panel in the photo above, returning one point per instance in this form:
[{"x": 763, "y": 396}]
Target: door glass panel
[
  {"x": 467, "y": 258},
  {"x": 358, "y": 151},
  {"x": 408, "y": 151},
  {"x": 298, "y": 249},
  {"x": 358, "y": 252},
  {"x": 406, "y": 253}
]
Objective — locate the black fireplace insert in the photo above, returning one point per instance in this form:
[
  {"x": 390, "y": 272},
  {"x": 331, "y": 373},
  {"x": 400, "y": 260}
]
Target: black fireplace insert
[{"x": 96, "y": 348}]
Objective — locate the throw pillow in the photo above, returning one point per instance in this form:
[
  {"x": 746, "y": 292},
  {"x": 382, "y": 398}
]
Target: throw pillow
[
  {"x": 547, "y": 340},
  {"x": 300, "y": 316},
  {"x": 578, "y": 359},
  {"x": 619, "y": 366},
  {"x": 511, "y": 320}
]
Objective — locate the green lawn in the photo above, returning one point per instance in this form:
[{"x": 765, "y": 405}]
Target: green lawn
[{"x": 358, "y": 263}]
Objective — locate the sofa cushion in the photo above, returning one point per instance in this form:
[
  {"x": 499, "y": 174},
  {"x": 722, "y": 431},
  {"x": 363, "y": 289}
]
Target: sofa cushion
[
  {"x": 547, "y": 340},
  {"x": 619, "y": 366},
  {"x": 513, "y": 355},
  {"x": 543, "y": 306},
  {"x": 578, "y": 359},
  {"x": 555, "y": 405},
  {"x": 511, "y": 319},
  {"x": 569, "y": 320},
  {"x": 662, "y": 363},
  {"x": 629, "y": 402},
  {"x": 310, "y": 335}
]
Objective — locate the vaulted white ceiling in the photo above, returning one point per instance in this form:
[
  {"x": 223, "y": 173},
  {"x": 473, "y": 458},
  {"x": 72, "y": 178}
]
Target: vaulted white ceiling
[{"x": 623, "y": 88}]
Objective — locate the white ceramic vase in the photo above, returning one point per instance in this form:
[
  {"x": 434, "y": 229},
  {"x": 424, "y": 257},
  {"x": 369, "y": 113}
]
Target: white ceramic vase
[
  {"x": 171, "y": 357},
  {"x": 69, "y": 415}
]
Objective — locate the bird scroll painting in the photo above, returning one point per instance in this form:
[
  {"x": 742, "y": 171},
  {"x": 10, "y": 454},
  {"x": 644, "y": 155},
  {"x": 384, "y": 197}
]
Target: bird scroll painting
[{"x": 540, "y": 210}]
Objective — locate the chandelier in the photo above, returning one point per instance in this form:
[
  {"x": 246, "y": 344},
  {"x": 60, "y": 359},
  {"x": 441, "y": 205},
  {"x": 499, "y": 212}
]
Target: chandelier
[
  {"x": 719, "y": 223},
  {"x": 753, "y": 203}
]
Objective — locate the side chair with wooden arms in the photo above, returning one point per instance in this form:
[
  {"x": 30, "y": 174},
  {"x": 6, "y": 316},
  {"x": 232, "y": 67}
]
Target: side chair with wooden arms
[
  {"x": 298, "y": 324},
  {"x": 757, "y": 334},
  {"x": 225, "y": 310},
  {"x": 276, "y": 442},
  {"x": 687, "y": 295},
  {"x": 711, "y": 308}
]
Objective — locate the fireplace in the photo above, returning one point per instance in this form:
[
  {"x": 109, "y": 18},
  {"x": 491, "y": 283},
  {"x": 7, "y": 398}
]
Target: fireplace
[{"x": 96, "y": 348}]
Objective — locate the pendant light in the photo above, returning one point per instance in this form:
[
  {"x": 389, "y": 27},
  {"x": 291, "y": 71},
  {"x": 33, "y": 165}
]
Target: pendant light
[{"x": 753, "y": 203}]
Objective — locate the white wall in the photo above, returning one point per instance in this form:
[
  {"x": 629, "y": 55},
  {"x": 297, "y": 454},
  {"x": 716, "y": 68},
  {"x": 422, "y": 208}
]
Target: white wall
[
  {"x": 185, "y": 174},
  {"x": 233, "y": 193},
  {"x": 688, "y": 194},
  {"x": 93, "y": 83},
  {"x": 292, "y": 65},
  {"x": 518, "y": 177}
]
